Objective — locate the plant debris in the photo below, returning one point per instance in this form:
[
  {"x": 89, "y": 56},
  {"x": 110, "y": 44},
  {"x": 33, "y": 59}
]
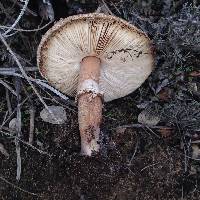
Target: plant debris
[
  {"x": 59, "y": 115},
  {"x": 149, "y": 117},
  {"x": 150, "y": 138}
]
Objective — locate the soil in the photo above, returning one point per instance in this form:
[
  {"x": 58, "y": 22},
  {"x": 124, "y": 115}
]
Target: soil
[
  {"x": 135, "y": 163},
  {"x": 155, "y": 171}
]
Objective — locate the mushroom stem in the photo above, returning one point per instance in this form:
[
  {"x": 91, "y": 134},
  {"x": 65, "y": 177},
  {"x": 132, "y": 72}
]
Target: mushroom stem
[{"x": 89, "y": 105}]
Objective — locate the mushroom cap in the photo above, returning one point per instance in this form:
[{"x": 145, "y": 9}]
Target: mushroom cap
[{"x": 125, "y": 52}]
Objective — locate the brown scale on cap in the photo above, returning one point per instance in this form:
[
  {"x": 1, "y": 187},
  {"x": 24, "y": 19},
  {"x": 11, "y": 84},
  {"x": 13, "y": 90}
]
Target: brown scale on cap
[{"x": 94, "y": 56}]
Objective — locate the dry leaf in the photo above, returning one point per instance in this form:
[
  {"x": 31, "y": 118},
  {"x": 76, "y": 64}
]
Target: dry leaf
[
  {"x": 148, "y": 117},
  {"x": 13, "y": 126},
  {"x": 59, "y": 115}
]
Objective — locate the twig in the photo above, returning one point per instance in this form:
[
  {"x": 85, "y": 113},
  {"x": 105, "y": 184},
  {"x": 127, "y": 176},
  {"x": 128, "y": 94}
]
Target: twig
[
  {"x": 32, "y": 116},
  {"x": 16, "y": 69},
  {"x": 182, "y": 192},
  {"x": 149, "y": 166},
  {"x": 27, "y": 9},
  {"x": 15, "y": 186},
  {"x": 18, "y": 18},
  {"x": 6, "y": 120},
  {"x": 8, "y": 87},
  {"x": 39, "y": 82},
  {"x": 136, "y": 148},
  {"x": 61, "y": 102},
  {"x": 116, "y": 8},
  {"x": 11, "y": 34},
  {"x": 8, "y": 102},
  {"x": 32, "y": 124},
  {"x": 18, "y": 127},
  {"x": 186, "y": 148},
  {"x": 10, "y": 73},
  {"x": 150, "y": 129},
  {"x": 195, "y": 142},
  {"x": 26, "y": 143},
  {"x": 104, "y": 8},
  {"x": 24, "y": 74},
  {"x": 141, "y": 126},
  {"x": 144, "y": 127},
  {"x": 27, "y": 30}
]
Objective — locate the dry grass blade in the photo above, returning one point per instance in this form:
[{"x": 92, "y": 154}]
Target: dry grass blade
[
  {"x": 135, "y": 151},
  {"x": 8, "y": 102},
  {"x": 3, "y": 150},
  {"x": 32, "y": 124},
  {"x": 6, "y": 119},
  {"x": 141, "y": 126},
  {"x": 26, "y": 143},
  {"x": 146, "y": 167},
  {"x": 16, "y": 69},
  {"x": 27, "y": 30},
  {"x": 15, "y": 186},
  {"x": 8, "y": 87}
]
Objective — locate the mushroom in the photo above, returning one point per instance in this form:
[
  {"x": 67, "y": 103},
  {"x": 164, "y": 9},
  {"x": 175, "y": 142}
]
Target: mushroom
[{"x": 95, "y": 58}]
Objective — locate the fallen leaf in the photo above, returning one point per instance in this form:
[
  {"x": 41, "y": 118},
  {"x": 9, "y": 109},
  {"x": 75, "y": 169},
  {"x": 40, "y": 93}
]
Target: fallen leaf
[
  {"x": 149, "y": 117},
  {"x": 13, "y": 126},
  {"x": 59, "y": 115}
]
